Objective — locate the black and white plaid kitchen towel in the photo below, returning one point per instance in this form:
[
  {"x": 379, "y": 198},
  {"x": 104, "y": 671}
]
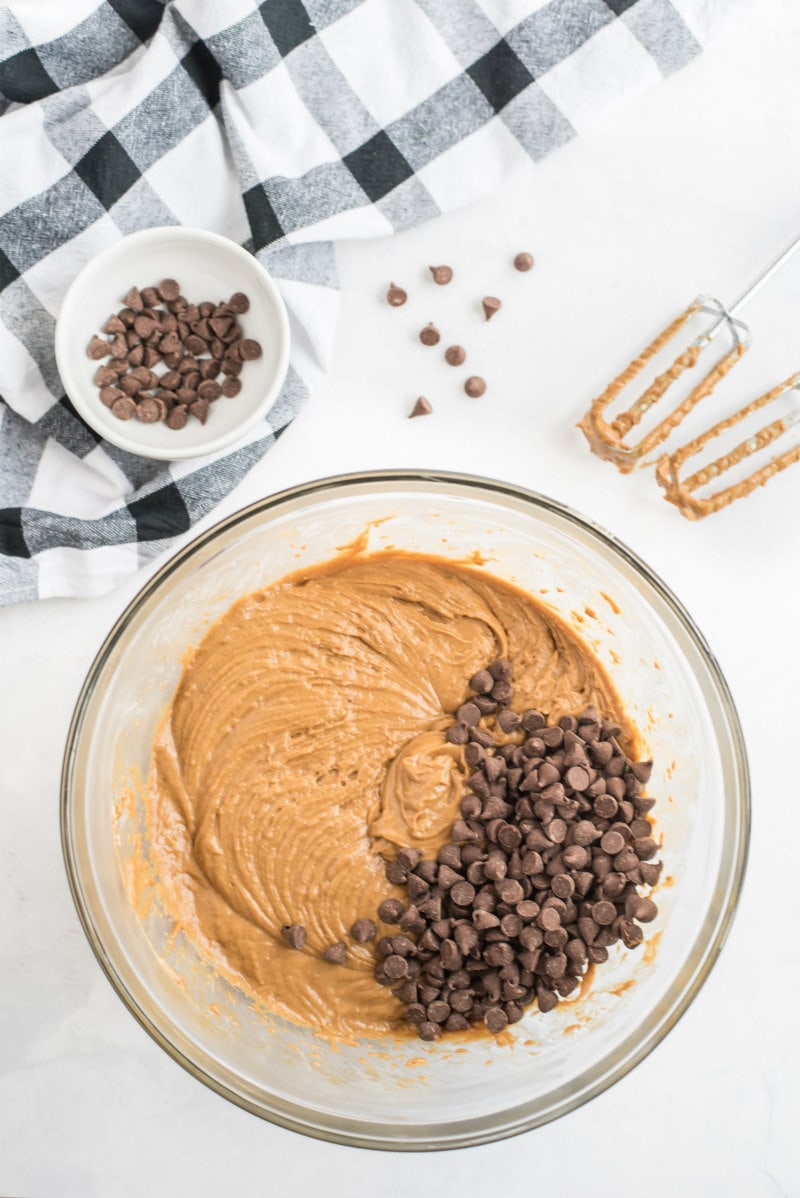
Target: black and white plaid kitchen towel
[{"x": 285, "y": 125}]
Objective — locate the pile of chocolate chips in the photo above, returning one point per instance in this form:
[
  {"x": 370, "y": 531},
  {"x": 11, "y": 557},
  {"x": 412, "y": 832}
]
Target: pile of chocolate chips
[
  {"x": 541, "y": 875},
  {"x": 195, "y": 342}
]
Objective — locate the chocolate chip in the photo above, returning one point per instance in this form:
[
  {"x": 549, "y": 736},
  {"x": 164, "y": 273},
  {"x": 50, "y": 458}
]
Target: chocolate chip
[
  {"x": 430, "y": 335},
  {"x": 455, "y": 355},
  {"x": 177, "y": 417},
  {"x": 421, "y": 408},
  {"x": 396, "y": 296},
  {"x": 481, "y": 682},
  {"x": 151, "y": 411},
  {"x": 474, "y": 386},
  {"x": 124, "y": 408},
  {"x": 294, "y": 934},
  {"x": 168, "y": 289},
  {"x": 98, "y": 348},
  {"x": 441, "y": 274},
  {"x": 523, "y": 262},
  {"x": 495, "y": 1019},
  {"x": 231, "y": 387},
  {"x": 335, "y": 953},
  {"x": 239, "y": 303},
  {"x": 428, "y": 1030},
  {"x": 390, "y": 911},
  {"x": 209, "y": 390},
  {"x": 490, "y": 305},
  {"x": 250, "y": 350},
  {"x": 199, "y": 409}
]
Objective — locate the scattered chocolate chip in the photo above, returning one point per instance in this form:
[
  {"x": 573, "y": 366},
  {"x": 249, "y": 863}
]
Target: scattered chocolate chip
[
  {"x": 430, "y": 335},
  {"x": 441, "y": 274},
  {"x": 363, "y": 930},
  {"x": 293, "y": 933},
  {"x": 523, "y": 262},
  {"x": 396, "y": 296},
  {"x": 335, "y": 953},
  {"x": 475, "y": 386},
  {"x": 455, "y": 355},
  {"x": 421, "y": 408},
  {"x": 490, "y": 305}
]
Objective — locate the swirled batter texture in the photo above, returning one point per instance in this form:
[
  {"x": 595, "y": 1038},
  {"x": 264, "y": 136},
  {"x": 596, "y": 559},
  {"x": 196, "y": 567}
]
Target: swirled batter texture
[{"x": 305, "y": 744}]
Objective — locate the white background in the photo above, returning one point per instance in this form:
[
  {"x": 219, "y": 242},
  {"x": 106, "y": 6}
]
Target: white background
[{"x": 691, "y": 188}]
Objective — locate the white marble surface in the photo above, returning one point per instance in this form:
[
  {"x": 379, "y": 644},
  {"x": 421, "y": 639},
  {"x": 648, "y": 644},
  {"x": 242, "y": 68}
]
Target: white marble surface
[{"x": 689, "y": 189}]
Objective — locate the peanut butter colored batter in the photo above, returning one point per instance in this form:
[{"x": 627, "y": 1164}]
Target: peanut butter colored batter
[{"x": 305, "y": 743}]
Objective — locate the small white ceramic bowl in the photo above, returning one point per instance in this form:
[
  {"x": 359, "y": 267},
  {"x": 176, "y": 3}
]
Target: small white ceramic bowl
[{"x": 208, "y": 267}]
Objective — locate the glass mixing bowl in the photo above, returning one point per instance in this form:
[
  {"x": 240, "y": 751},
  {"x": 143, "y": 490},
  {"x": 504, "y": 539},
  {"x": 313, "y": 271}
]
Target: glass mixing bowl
[{"x": 404, "y": 1094}]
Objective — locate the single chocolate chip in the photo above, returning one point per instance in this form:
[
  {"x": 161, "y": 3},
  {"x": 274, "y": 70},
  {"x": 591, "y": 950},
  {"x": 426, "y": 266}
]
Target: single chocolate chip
[
  {"x": 396, "y": 296},
  {"x": 395, "y": 967},
  {"x": 239, "y": 302},
  {"x": 462, "y": 893},
  {"x": 455, "y": 355},
  {"x": 390, "y": 911},
  {"x": 98, "y": 348},
  {"x": 294, "y": 934},
  {"x": 508, "y": 721},
  {"x": 421, "y": 408},
  {"x": 151, "y": 411},
  {"x": 124, "y": 408},
  {"x": 490, "y": 304},
  {"x": 231, "y": 387},
  {"x": 430, "y": 335},
  {"x": 441, "y": 274},
  {"x": 335, "y": 953},
  {"x": 604, "y": 913},
  {"x": 168, "y": 289},
  {"x": 109, "y": 394},
  {"x": 177, "y": 417},
  {"x": 129, "y": 385},
  {"x": 523, "y": 262},
  {"x": 199, "y": 409},
  {"x": 481, "y": 683},
  {"x": 474, "y": 386},
  {"x": 249, "y": 349},
  {"x": 495, "y": 1019},
  {"x": 469, "y": 714},
  {"x": 428, "y": 1030},
  {"x": 209, "y": 390}
]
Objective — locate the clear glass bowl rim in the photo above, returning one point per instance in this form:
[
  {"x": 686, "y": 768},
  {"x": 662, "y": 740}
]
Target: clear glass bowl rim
[{"x": 294, "y": 1116}]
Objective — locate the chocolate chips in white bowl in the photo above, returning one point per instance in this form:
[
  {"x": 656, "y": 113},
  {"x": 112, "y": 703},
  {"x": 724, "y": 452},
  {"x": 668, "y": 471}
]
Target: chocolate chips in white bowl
[{"x": 194, "y": 343}]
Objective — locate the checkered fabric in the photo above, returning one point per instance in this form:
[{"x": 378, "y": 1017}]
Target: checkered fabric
[{"x": 307, "y": 121}]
